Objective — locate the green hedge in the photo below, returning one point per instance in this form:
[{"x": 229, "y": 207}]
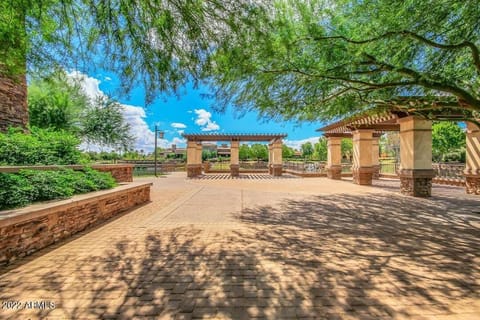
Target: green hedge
[
  {"x": 39, "y": 147},
  {"x": 27, "y": 186}
]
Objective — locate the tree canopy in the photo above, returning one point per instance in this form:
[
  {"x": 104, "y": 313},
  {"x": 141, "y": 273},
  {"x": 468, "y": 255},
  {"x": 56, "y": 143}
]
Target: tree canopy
[
  {"x": 327, "y": 59},
  {"x": 57, "y": 103},
  {"x": 160, "y": 44}
]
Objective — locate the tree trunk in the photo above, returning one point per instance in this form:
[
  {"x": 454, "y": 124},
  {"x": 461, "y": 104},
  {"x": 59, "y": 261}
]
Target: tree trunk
[{"x": 13, "y": 102}]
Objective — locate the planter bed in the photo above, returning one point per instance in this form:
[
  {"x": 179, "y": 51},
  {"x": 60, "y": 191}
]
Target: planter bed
[
  {"x": 29, "y": 229},
  {"x": 120, "y": 172}
]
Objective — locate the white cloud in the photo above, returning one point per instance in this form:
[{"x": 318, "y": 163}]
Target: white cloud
[
  {"x": 89, "y": 85},
  {"x": 211, "y": 126},
  {"x": 178, "y": 125},
  {"x": 204, "y": 120},
  {"x": 134, "y": 115},
  {"x": 296, "y": 144}
]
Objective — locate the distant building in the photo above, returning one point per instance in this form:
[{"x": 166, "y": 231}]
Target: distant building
[
  {"x": 173, "y": 151},
  {"x": 223, "y": 150}
]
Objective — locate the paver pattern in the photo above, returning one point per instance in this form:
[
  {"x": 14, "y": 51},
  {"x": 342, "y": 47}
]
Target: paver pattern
[{"x": 272, "y": 249}]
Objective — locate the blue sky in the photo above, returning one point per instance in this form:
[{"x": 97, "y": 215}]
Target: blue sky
[{"x": 191, "y": 113}]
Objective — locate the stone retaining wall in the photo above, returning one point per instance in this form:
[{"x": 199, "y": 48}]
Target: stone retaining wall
[
  {"x": 26, "y": 230},
  {"x": 120, "y": 172}
]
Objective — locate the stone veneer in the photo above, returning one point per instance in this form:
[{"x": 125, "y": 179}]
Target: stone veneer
[
  {"x": 235, "y": 170},
  {"x": 363, "y": 175},
  {"x": 13, "y": 102},
  {"x": 194, "y": 170},
  {"x": 334, "y": 172},
  {"x": 472, "y": 184},
  {"x": 26, "y": 230},
  {"x": 277, "y": 170},
  {"x": 416, "y": 182},
  {"x": 120, "y": 172}
]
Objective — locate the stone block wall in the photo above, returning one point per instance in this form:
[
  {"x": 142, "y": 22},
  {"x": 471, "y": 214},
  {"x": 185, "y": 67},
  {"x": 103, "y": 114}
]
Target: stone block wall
[
  {"x": 13, "y": 103},
  {"x": 120, "y": 172},
  {"x": 26, "y": 230}
]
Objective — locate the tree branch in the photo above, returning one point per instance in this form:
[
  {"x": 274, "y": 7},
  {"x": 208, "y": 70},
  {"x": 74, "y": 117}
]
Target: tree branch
[{"x": 475, "y": 52}]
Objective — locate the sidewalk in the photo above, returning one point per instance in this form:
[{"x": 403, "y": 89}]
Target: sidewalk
[{"x": 263, "y": 248}]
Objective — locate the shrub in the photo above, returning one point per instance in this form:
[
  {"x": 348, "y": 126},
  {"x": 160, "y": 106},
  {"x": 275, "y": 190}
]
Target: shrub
[
  {"x": 40, "y": 147},
  {"x": 20, "y": 189},
  {"x": 16, "y": 191}
]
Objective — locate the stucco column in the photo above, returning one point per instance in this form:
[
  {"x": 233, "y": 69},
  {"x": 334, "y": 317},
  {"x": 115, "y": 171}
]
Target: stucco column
[
  {"x": 375, "y": 157},
  {"x": 270, "y": 158},
  {"x": 334, "y": 158},
  {"x": 362, "y": 169},
  {"x": 277, "y": 160},
  {"x": 416, "y": 171},
  {"x": 234, "y": 159},
  {"x": 199, "y": 157},
  {"x": 472, "y": 167},
  {"x": 194, "y": 168}
]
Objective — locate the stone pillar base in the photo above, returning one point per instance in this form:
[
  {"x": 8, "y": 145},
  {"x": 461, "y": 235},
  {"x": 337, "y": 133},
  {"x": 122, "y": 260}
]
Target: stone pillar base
[
  {"x": 416, "y": 182},
  {"x": 194, "y": 170},
  {"x": 363, "y": 175},
  {"x": 472, "y": 183},
  {"x": 334, "y": 172},
  {"x": 234, "y": 170},
  {"x": 277, "y": 170},
  {"x": 376, "y": 172},
  {"x": 206, "y": 166},
  {"x": 270, "y": 170}
]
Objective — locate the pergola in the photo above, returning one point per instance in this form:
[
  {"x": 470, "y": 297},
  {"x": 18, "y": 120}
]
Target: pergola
[
  {"x": 415, "y": 129},
  {"x": 194, "y": 150}
]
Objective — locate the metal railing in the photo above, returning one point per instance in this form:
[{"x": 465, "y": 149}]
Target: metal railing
[
  {"x": 305, "y": 166},
  {"x": 445, "y": 173},
  {"x": 389, "y": 167}
]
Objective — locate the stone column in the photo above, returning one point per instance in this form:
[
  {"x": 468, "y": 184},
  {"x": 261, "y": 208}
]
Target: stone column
[
  {"x": 199, "y": 157},
  {"x": 234, "y": 159},
  {"x": 375, "y": 157},
  {"x": 472, "y": 167},
  {"x": 193, "y": 167},
  {"x": 362, "y": 169},
  {"x": 277, "y": 160},
  {"x": 334, "y": 158},
  {"x": 416, "y": 171},
  {"x": 270, "y": 158}
]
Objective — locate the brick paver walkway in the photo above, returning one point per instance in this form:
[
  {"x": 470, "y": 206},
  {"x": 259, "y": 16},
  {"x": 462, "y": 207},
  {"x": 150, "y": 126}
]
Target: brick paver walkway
[{"x": 275, "y": 249}]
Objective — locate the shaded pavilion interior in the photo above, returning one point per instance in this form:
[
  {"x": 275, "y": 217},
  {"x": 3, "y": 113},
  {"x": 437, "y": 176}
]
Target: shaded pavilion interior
[
  {"x": 194, "y": 150},
  {"x": 415, "y": 129}
]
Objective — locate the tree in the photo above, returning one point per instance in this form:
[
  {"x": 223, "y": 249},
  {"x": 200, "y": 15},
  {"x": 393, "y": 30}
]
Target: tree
[
  {"x": 447, "y": 138},
  {"x": 321, "y": 149},
  {"x": 244, "y": 152},
  {"x": 307, "y": 149},
  {"x": 259, "y": 151},
  {"x": 287, "y": 152},
  {"x": 103, "y": 124},
  {"x": 160, "y": 44},
  {"x": 328, "y": 59},
  {"x": 347, "y": 149},
  {"x": 56, "y": 103}
]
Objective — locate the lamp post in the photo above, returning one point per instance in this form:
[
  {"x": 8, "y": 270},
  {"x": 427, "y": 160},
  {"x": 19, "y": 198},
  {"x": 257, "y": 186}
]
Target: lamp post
[{"x": 160, "y": 135}]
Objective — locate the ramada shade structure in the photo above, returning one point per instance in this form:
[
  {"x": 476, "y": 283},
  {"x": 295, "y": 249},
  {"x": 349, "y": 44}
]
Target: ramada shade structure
[
  {"x": 415, "y": 126},
  {"x": 233, "y": 136},
  {"x": 194, "y": 150}
]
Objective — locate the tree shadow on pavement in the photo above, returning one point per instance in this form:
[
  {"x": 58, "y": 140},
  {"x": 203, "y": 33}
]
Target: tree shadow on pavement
[{"x": 336, "y": 256}]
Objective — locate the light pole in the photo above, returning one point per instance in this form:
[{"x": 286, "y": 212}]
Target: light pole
[{"x": 160, "y": 135}]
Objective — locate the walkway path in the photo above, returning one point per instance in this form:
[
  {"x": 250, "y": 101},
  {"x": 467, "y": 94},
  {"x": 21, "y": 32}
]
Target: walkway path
[{"x": 268, "y": 248}]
